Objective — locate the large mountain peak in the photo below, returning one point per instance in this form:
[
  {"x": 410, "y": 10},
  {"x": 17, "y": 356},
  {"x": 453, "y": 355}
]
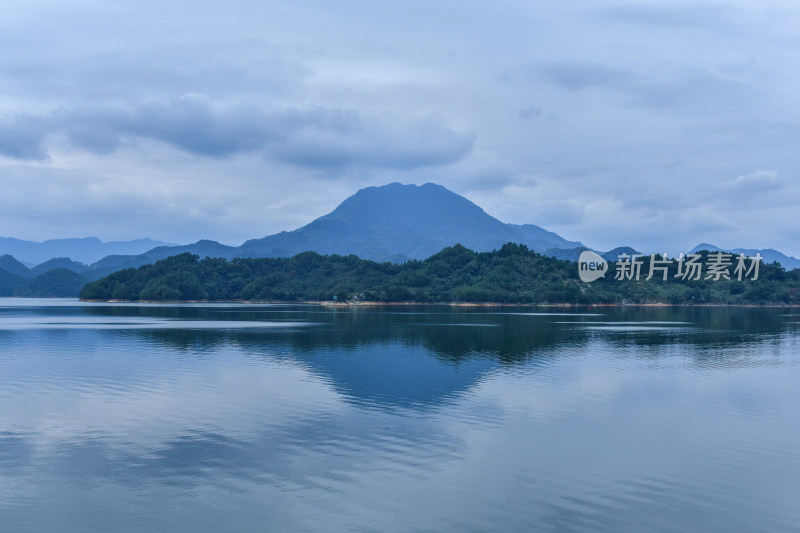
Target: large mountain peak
[
  {"x": 393, "y": 222},
  {"x": 405, "y": 206},
  {"x": 397, "y": 221}
]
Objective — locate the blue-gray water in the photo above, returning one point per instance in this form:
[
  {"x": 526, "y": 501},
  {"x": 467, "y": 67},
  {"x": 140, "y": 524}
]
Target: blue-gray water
[{"x": 304, "y": 418}]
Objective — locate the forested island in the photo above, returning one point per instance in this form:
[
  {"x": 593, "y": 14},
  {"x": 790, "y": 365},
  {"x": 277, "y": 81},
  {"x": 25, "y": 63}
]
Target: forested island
[{"x": 512, "y": 274}]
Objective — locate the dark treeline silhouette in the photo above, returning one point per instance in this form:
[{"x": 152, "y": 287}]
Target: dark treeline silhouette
[{"x": 512, "y": 274}]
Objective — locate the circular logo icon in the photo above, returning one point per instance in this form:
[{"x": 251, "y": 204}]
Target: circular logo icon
[{"x": 591, "y": 266}]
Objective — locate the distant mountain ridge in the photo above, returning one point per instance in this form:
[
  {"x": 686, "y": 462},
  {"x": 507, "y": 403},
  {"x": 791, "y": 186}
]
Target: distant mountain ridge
[
  {"x": 768, "y": 254},
  {"x": 11, "y": 265},
  {"x": 59, "y": 262},
  {"x": 87, "y": 250},
  {"x": 58, "y": 277}
]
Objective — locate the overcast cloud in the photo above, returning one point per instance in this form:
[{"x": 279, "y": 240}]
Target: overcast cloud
[{"x": 655, "y": 125}]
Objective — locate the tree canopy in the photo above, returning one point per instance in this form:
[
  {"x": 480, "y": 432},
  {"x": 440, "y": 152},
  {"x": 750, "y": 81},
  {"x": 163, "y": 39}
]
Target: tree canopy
[{"x": 512, "y": 274}]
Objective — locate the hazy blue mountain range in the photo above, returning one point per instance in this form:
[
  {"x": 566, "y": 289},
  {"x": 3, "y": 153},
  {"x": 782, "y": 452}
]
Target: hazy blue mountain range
[
  {"x": 12, "y": 266},
  {"x": 203, "y": 248},
  {"x": 768, "y": 254},
  {"x": 86, "y": 250},
  {"x": 59, "y": 262},
  {"x": 10, "y": 282},
  {"x": 58, "y": 282},
  {"x": 59, "y": 277}
]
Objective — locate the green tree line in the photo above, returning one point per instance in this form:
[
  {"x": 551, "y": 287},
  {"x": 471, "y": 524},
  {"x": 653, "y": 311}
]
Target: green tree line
[{"x": 512, "y": 274}]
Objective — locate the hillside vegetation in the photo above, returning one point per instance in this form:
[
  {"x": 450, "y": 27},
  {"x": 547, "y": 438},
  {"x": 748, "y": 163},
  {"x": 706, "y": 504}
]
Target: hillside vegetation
[{"x": 512, "y": 274}]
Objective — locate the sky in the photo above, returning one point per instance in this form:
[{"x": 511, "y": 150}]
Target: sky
[{"x": 658, "y": 125}]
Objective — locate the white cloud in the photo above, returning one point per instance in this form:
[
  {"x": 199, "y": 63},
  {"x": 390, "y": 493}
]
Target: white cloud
[{"x": 755, "y": 183}]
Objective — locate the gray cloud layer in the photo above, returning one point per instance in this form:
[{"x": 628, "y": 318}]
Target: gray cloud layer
[
  {"x": 656, "y": 125},
  {"x": 316, "y": 137}
]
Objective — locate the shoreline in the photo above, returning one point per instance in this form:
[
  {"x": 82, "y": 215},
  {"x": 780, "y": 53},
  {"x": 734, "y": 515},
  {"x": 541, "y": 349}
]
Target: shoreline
[{"x": 330, "y": 303}]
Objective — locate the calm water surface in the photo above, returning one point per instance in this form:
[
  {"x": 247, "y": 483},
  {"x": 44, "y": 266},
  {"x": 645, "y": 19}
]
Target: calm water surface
[{"x": 305, "y": 418}]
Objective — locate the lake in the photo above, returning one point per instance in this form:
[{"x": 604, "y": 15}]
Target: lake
[{"x": 202, "y": 417}]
